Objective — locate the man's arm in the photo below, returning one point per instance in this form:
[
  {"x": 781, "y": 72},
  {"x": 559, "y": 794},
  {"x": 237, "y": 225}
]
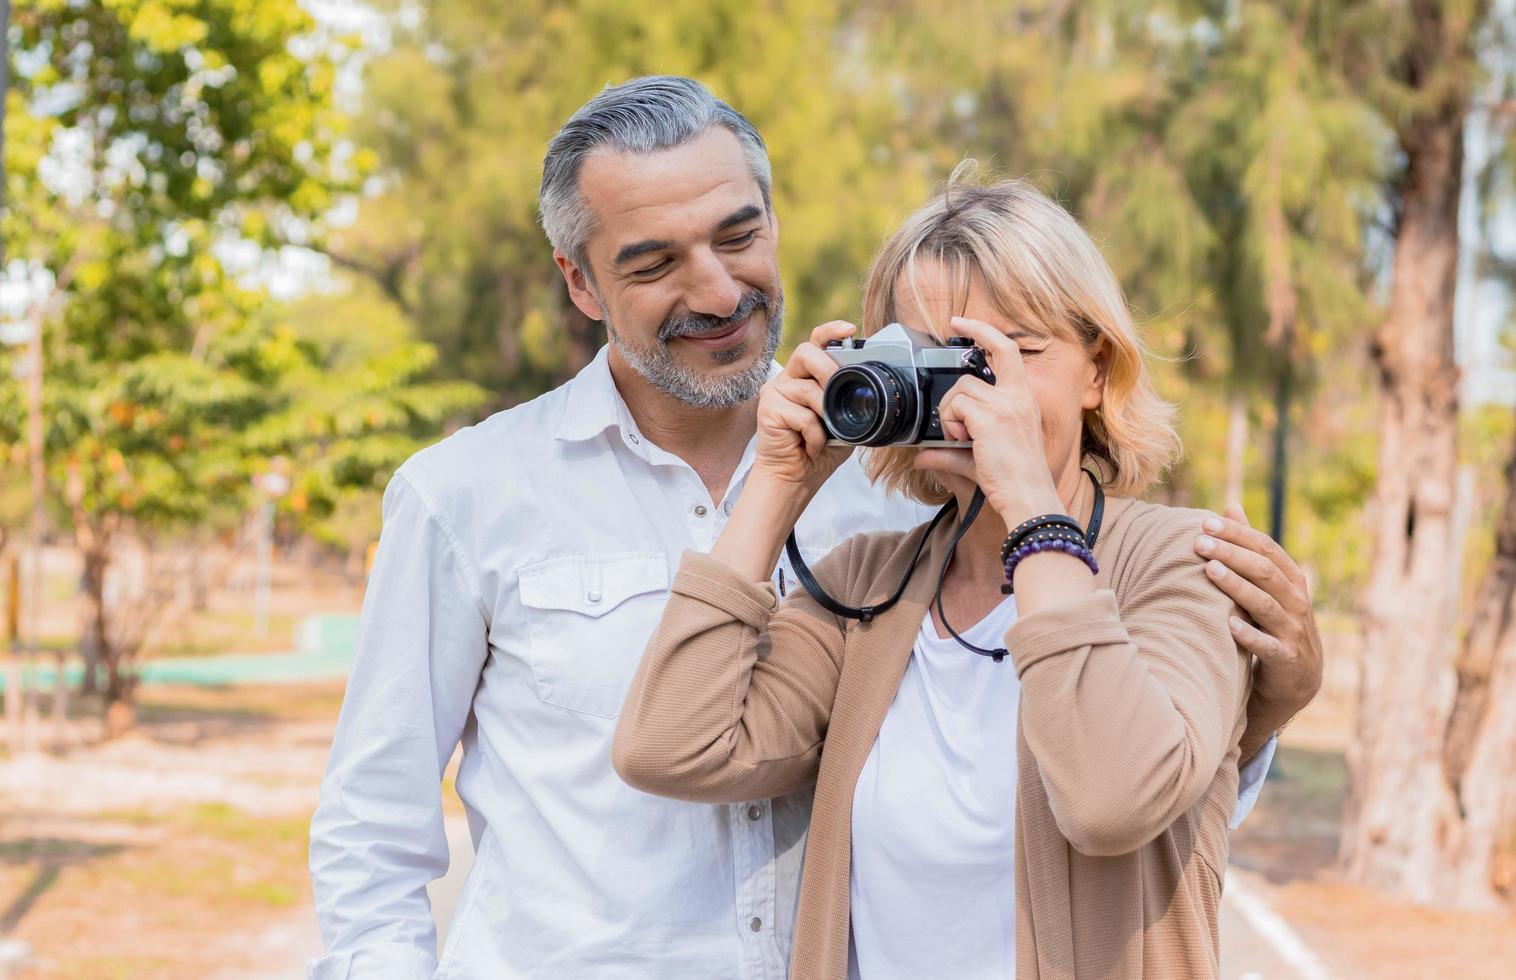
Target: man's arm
[
  {"x": 377, "y": 837},
  {"x": 1266, "y": 583}
]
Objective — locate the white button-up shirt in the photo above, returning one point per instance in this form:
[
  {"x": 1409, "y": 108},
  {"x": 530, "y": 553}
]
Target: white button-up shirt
[{"x": 523, "y": 565}]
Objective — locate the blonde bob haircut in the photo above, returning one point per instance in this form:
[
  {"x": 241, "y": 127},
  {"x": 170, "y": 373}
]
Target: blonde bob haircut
[{"x": 1040, "y": 269}]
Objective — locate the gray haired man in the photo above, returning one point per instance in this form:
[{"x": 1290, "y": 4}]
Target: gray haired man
[{"x": 523, "y": 565}]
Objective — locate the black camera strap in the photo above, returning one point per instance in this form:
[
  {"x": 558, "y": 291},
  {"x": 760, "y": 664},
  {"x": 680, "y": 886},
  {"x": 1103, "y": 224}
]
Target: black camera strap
[
  {"x": 861, "y": 613},
  {"x": 866, "y": 613}
]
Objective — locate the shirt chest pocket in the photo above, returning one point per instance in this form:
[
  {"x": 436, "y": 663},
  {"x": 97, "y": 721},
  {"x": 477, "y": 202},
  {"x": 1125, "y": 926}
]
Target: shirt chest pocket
[{"x": 588, "y": 622}]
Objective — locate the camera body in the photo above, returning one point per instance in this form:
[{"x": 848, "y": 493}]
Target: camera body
[{"x": 887, "y": 387}]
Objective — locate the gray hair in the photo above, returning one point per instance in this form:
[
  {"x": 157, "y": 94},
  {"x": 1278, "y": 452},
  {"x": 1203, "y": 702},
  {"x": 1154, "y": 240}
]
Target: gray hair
[{"x": 644, "y": 115}]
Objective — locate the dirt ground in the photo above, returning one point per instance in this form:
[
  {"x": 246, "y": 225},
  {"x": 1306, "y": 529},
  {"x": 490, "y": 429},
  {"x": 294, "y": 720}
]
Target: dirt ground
[
  {"x": 179, "y": 850},
  {"x": 1291, "y": 839}
]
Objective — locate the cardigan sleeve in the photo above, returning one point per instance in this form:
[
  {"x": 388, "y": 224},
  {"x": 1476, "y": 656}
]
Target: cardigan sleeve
[
  {"x": 1130, "y": 709},
  {"x": 732, "y": 699}
]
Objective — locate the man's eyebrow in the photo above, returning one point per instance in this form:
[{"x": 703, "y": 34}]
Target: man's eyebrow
[
  {"x": 746, "y": 213},
  {"x": 629, "y": 252}
]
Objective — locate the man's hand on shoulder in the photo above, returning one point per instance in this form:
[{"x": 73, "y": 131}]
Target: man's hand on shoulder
[{"x": 1271, "y": 590}]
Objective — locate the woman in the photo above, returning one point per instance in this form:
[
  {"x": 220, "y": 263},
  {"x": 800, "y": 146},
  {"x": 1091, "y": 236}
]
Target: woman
[{"x": 1061, "y": 813}]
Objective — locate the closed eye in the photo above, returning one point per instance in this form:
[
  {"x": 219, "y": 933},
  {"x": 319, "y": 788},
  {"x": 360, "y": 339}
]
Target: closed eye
[
  {"x": 741, "y": 240},
  {"x": 652, "y": 269}
]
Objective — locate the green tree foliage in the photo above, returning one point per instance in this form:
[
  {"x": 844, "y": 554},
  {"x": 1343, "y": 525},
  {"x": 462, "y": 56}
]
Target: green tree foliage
[
  {"x": 1227, "y": 174},
  {"x": 144, "y": 138},
  {"x": 362, "y": 397},
  {"x": 460, "y": 109}
]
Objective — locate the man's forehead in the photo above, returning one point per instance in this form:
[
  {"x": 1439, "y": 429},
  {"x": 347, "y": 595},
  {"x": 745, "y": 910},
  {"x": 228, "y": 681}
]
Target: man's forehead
[{"x": 632, "y": 193}]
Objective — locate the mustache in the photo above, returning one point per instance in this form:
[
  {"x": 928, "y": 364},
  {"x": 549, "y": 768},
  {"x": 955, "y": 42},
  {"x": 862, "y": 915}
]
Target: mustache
[{"x": 699, "y": 324}]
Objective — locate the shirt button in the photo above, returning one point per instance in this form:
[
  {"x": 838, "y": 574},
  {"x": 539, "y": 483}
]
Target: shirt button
[
  {"x": 756, "y": 924},
  {"x": 700, "y": 510},
  {"x": 726, "y": 508},
  {"x": 754, "y": 812},
  {"x": 594, "y": 595}
]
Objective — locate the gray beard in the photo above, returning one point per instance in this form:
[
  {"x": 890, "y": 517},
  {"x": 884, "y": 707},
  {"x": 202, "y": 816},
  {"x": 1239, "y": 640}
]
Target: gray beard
[{"x": 690, "y": 386}]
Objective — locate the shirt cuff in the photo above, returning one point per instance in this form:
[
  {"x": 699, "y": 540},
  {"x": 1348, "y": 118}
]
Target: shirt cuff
[
  {"x": 1250, "y": 781},
  {"x": 381, "y": 961}
]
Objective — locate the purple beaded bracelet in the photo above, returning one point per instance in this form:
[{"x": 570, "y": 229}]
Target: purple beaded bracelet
[{"x": 1067, "y": 547}]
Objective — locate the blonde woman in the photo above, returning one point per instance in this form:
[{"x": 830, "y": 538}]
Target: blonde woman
[{"x": 1055, "y": 808}]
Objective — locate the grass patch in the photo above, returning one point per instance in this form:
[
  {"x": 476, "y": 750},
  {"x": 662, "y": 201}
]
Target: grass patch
[
  {"x": 218, "y": 857},
  {"x": 217, "y": 881},
  {"x": 228, "y": 823}
]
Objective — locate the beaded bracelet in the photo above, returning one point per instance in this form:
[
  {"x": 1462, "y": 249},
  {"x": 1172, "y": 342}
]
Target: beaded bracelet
[
  {"x": 1046, "y": 533},
  {"x": 1028, "y": 527},
  {"x": 1074, "y": 548}
]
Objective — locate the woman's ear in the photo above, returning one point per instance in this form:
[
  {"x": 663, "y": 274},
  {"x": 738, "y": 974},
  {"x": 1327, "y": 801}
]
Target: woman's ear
[{"x": 1097, "y": 372}]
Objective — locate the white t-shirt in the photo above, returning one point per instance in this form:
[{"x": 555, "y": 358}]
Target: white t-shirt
[{"x": 934, "y": 817}]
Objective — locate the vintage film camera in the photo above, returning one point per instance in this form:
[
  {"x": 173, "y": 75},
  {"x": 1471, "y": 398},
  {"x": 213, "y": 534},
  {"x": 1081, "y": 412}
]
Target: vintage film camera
[{"x": 887, "y": 387}]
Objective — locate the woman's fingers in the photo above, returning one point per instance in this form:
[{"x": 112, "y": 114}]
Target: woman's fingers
[
  {"x": 809, "y": 360},
  {"x": 956, "y": 461},
  {"x": 801, "y": 391},
  {"x": 1003, "y": 353},
  {"x": 832, "y": 330},
  {"x": 800, "y": 420},
  {"x": 950, "y": 417}
]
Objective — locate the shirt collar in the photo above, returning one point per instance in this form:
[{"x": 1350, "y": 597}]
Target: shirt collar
[{"x": 595, "y": 405}]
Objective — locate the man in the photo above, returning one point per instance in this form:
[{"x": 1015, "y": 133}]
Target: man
[{"x": 525, "y": 561}]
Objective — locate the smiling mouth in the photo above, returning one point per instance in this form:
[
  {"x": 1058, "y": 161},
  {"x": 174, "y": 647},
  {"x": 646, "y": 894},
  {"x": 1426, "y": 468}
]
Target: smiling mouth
[{"x": 722, "y": 338}]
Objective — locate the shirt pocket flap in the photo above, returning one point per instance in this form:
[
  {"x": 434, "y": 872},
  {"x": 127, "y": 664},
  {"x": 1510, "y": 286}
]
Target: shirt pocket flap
[{"x": 592, "y": 586}]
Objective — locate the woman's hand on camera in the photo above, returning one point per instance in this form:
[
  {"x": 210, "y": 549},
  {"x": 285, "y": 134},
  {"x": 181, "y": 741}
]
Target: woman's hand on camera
[
  {"x": 1004, "y": 423},
  {"x": 792, "y": 449},
  {"x": 790, "y": 462}
]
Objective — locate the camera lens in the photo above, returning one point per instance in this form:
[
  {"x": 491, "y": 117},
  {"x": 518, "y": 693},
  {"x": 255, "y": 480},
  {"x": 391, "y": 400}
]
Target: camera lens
[
  {"x": 866, "y": 404},
  {"x": 857, "y": 406}
]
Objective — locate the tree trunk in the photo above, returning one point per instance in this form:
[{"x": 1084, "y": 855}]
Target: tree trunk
[
  {"x": 1401, "y": 813},
  {"x": 1236, "y": 447},
  {"x": 92, "y": 617},
  {"x": 1481, "y": 738},
  {"x": 1279, "y": 462}
]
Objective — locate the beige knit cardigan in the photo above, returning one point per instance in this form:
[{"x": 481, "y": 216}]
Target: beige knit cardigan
[{"x": 1133, "y": 702}]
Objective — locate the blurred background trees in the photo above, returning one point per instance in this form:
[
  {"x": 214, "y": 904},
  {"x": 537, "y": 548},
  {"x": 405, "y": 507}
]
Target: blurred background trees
[
  {"x": 458, "y": 109},
  {"x": 275, "y": 251},
  {"x": 147, "y": 142}
]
